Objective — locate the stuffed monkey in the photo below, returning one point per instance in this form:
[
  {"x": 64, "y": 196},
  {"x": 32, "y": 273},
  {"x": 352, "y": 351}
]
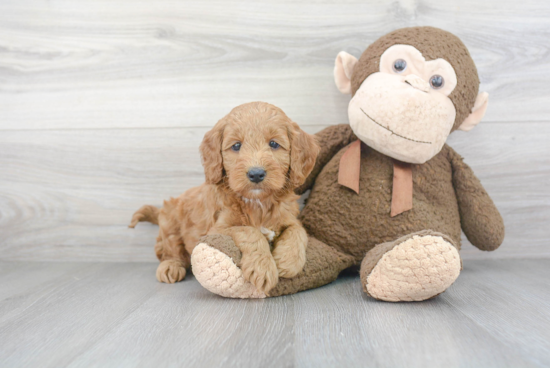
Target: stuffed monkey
[{"x": 387, "y": 192}]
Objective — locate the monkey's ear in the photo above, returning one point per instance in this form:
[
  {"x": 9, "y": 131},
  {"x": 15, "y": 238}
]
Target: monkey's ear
[
  {"x": 343, "y": 68},
  {"x": 478, "y": 112}
]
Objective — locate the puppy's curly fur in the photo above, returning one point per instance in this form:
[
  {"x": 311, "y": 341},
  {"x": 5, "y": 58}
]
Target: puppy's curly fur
[{"x": 253, "y": 214}]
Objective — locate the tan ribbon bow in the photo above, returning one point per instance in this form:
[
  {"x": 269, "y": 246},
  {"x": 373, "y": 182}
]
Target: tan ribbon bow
[{"x": 402, "y": 191}]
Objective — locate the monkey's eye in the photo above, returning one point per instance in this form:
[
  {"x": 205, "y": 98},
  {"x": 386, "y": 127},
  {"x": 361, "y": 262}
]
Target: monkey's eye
[
  {"x": 236, "y": 147},
  {"x": 437, "y": 81},
  {"x": 399, "y": 65},
  {"x": 274, "y": 145}
]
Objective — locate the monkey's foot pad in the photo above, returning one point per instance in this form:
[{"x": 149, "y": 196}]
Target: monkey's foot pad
[
  {"x": 419, "y": 268},
  {"x": 217, "y": 273}
]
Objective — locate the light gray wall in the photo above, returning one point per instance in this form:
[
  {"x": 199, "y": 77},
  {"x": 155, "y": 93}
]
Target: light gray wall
[{"x": 103, "y": 105}]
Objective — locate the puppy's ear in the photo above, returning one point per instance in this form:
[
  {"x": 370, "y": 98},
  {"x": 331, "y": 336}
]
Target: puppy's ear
[
  {"x": 211, "y": 154},
  {"x": 303, "y": 153}
]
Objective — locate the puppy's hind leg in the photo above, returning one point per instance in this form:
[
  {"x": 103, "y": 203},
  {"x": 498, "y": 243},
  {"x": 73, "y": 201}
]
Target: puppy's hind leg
[
  {"x": 174, "y": 259},
  {"x": 170, "y": 249}
]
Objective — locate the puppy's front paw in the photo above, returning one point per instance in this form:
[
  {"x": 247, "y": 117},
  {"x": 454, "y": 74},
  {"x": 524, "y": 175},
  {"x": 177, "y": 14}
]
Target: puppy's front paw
[
  {"x": 171, "y": 271},
  {"x": 290, "y": 259},
  {"x": 260, "y": 269}
]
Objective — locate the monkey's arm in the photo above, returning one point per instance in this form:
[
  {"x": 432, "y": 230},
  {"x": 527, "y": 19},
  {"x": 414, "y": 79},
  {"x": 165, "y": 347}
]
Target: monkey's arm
[
  {"x": 479, "y": 217},
  {"x": 331, "y": 140}
]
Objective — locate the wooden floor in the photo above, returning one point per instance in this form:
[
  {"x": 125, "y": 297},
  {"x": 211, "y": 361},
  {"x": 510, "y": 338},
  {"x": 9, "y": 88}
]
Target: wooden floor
[{"x": 116, "y": 315}]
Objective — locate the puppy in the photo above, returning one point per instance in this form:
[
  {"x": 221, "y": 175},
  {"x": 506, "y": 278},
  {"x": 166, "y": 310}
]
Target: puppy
[{"x": 253, "y": 160}]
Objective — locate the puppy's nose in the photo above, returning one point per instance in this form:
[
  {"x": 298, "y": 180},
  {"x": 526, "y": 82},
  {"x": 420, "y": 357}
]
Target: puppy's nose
[{"x": 256, "y": 174}]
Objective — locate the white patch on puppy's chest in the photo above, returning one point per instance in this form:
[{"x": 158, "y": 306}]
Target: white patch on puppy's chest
[{"x": 253, "y": 201}]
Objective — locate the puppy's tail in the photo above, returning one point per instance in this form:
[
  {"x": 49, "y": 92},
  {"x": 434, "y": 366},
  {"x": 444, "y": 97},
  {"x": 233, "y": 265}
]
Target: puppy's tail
[{"x": 145, "y": 213}]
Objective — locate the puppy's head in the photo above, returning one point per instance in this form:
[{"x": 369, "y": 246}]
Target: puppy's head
[{"x": 259, "y": 151}]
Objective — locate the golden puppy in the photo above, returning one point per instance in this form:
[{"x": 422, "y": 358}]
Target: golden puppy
[{"x": 253, "y": 160}]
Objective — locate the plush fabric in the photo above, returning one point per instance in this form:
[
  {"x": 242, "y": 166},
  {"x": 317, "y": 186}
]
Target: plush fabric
[
  {"x": 419, "y": 67},
  {"x": 414, "y": 269},
  {"x": 403, "y": 268},
  {"x": 215, "y": 265},
  {"x": 402, "y": 191},
  {"x": 433, "y": 43},
  {"x": 350, "y": 167},
  {"x": 399, "y": 120},
  {"x": 343, "y": 70},
  {"x": 372, "y": 258},
  {"x": 221, "y": 243},
  {"x": 218, "y": 273},
  {"x": 337, "y": 216}
]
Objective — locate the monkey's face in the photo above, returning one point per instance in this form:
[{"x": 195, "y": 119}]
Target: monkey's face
[
  {"x": 404, "y": 110},
  {"x": 410, "y": 89}
]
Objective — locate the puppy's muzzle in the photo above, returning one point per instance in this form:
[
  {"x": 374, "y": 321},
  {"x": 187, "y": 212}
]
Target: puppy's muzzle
[{"x": 256, "y": 174}]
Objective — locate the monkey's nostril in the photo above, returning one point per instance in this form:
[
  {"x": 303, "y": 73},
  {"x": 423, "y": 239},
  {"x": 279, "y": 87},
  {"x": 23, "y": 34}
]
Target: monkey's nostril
[
  {"x": 417, "y": 83},
  {"x": 256, "y": 174}
]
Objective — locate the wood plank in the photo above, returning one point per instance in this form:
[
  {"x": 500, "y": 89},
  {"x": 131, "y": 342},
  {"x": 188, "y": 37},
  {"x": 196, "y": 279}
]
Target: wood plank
[
  {"x": 51, "y": 325},
  {"x": 69, "y": 194},
  {"x": 193, "y": 328},
  {"x": 338, "y": 325},
  {"x": 116, "y": 314},
  {"x": 495, "y": 293},
  {"x": 187, "y": 63}
]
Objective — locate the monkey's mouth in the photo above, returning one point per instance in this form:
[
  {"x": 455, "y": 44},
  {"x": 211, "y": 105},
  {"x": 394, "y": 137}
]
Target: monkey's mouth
[{"x": 391, "y": 131}]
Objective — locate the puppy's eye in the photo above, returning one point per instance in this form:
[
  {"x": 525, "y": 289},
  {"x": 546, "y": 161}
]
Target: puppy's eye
[
  {"x": 399, "y": 65},
  {"x": 274, "y": 145},
  {"x": 236, "y": 147},
  {"x": 437, "y": 81}
]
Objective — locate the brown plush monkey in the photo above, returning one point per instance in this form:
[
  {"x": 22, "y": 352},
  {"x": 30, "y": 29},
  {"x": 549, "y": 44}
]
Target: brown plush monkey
[{"x": 387, "y": 193}]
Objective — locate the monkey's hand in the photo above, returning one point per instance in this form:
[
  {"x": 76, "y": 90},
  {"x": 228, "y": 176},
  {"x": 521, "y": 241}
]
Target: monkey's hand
[{"x": 479, "y": 217}]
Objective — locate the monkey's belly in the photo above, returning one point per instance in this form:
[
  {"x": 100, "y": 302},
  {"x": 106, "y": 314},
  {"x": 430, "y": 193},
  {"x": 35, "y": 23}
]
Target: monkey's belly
[{"x": 355, "y": 223}]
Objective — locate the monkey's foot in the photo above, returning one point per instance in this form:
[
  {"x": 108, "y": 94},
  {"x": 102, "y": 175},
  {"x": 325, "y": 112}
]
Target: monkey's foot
[
  {"x": 214, "y": 261},
  {"x": 415, "y": 267}
]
